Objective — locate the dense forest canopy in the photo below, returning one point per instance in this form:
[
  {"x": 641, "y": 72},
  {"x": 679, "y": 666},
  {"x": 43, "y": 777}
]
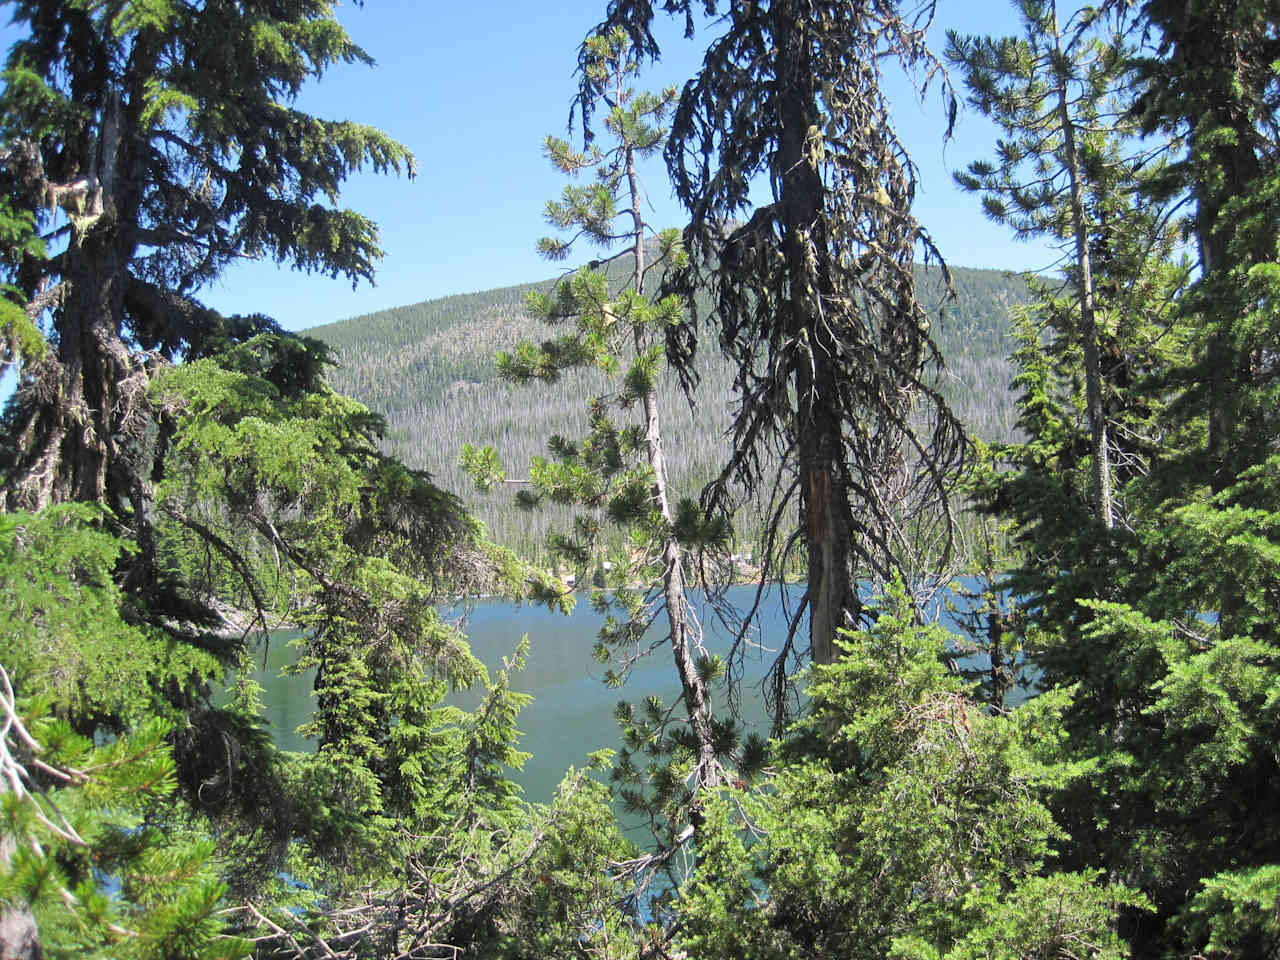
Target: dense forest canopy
[{"x": 176, "y": 482}]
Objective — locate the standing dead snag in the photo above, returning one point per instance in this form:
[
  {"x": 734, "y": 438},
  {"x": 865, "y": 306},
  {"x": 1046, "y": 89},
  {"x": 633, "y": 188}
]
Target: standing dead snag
[{"x": 814, "y": 295}]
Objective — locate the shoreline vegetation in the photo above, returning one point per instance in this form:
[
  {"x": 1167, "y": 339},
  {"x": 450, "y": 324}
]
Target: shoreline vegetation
[
  {"x": 235, "y": 620},
  {"x": 1102, "y": 739}
]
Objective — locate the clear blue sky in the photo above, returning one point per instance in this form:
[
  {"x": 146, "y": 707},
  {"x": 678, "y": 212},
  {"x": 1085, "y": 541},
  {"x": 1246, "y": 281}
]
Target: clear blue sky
[{"x": 472, "y": 89}]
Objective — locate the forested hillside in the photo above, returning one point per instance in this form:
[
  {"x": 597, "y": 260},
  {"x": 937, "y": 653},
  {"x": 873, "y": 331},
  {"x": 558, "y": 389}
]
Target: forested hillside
[
  {"x": 429, "y": 369},
  {"x": 1088, "y": 768}
]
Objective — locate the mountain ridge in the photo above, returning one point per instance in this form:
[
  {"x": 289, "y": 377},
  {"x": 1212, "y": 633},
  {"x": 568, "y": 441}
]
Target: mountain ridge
[{"x": 428, "y": 369}]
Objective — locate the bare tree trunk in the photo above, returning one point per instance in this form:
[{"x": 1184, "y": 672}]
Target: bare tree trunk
[
  {"x": 697, "y": 697},
  {"x": 19, "y": 936}
]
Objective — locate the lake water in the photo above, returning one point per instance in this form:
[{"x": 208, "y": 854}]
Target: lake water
[{"x": 572, "y": 710}]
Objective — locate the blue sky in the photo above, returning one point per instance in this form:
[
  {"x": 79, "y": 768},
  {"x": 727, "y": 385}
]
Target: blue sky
[{"x": 472, "y": 89}]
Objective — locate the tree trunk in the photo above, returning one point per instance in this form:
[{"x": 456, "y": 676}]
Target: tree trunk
[
  {"x": 19, "y": 936},
  {"x": 1208, "y": 39},
  {"x": 697, "y": 698},
  {"x": 832, "y": 595},
  {"x": 1223, "y": 59},
  {"x": 1102, "y": 497},
  {"x": 86, "y": 424}
]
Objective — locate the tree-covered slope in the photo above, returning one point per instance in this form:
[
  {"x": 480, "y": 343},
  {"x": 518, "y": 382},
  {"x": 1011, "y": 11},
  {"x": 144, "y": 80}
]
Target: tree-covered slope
[{"x": 429, "y": 369}]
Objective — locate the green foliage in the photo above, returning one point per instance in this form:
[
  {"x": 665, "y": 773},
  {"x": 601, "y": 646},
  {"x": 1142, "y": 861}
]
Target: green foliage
[
  {"x": 1051, "y": 91},
  {"x": 174, "y": 508},
  {"x": 1053, "y": 83},
  {"x": 370, "y": 549},
  {"x": 615, "y": 476},
  {"x": 90, "y": 857},
  {"x": 429, "y": 368},
  {"x": 901, "y": 820},
  {"x": 1234, "y": 914},
  {"x": 1164, "y": 628},
  {"x": 1126, "y": 807},
  {"x": 482, "y": 465},
  {"x": 468, "y": 864},
  {"x": 1208, "y": 686},
  {"x": 568, "y": 900},
  {"x": 66, "y": 623},
  {"x": 1058, "y": 915},
  {"x": 405, "y": 795},
  {"x": 21, "y": 340}
]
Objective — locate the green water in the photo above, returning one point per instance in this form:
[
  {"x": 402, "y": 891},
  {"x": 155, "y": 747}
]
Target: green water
[{"x": 572, "y": 710}]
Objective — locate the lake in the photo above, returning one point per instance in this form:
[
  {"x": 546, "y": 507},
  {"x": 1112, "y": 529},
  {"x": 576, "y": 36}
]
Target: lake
[{"x": 572, "y": 710}]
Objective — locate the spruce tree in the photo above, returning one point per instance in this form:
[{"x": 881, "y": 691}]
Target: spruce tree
[
  {"x": 1203, "y": 630},
  {"x": 145, "y": 146},
  {"x": 901, "y": 821},
  {"x": 1210, "y": 82},
  {"x": 150, "y": 144},
  {"x": 815, "y": 293},
  {"x": 1167, "y": 636}
]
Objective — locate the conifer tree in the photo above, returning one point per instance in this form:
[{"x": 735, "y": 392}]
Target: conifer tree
[
  {"x": 623, "y": 469},
  {"x": 814, "y": 294},
  {"x": 1167, "y": 638},
  {"x": 1042, "y": 86},
  {"x": 1211, "y": 83},
  {"x": 144, "y": 146},
  {"x": 77, "y": 818},
  {"x": 1052, "y": 91},
  {"x": 902, "y": 821},
  {"x": 150, "y": 144},
  {"x": 403, "y": 795},
  {"x": 1198, "y": 631}
]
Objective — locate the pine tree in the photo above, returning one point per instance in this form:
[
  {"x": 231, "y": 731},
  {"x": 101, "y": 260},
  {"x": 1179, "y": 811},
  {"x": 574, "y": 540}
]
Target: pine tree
[
  {"x": 1167, "y": 636},
  {"x": 622, "y": 470},
  {"x": 78, "y": 821},
  {"x": 1052, "y": 91},
  {"x": 1084, "y": 396}
]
